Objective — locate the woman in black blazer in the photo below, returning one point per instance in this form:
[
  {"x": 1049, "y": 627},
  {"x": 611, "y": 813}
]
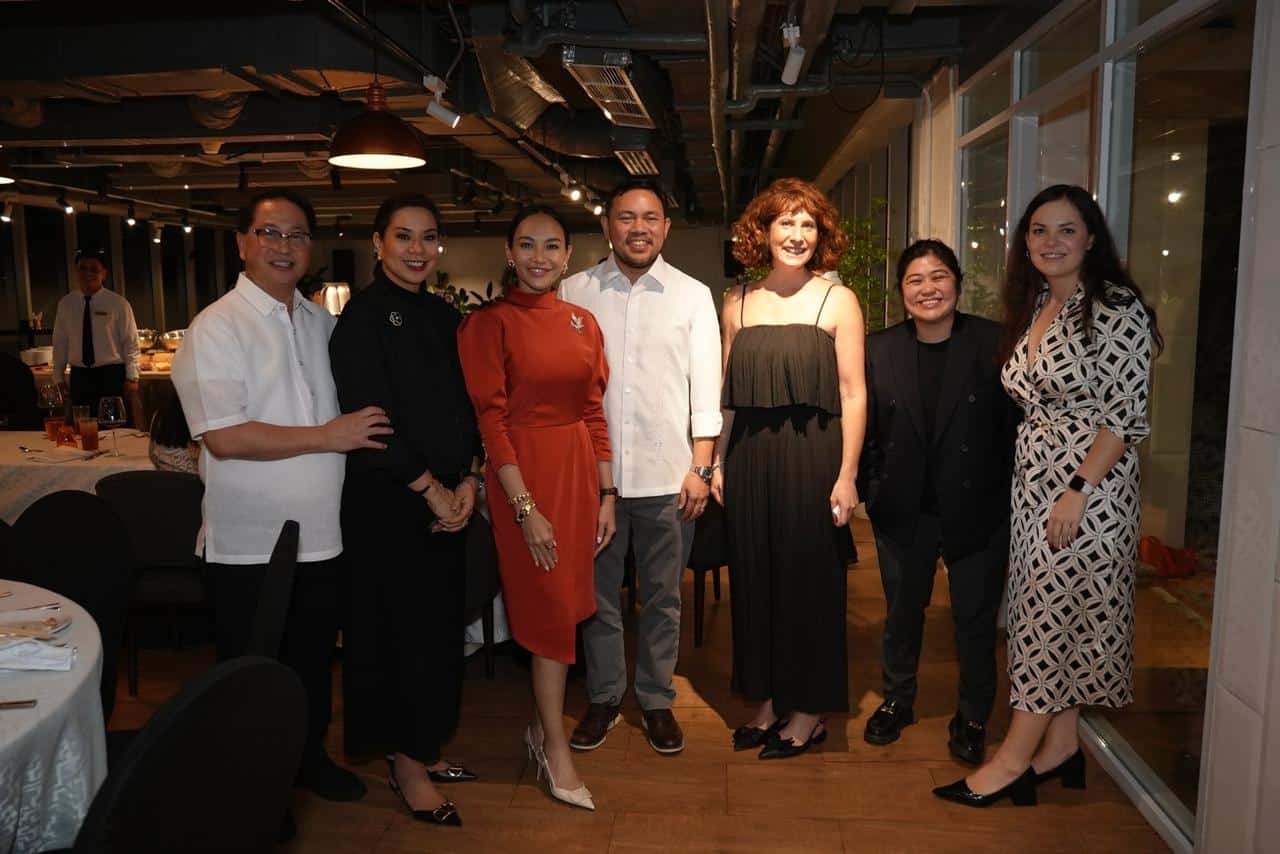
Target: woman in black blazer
[{"x": 935, "y": 474}]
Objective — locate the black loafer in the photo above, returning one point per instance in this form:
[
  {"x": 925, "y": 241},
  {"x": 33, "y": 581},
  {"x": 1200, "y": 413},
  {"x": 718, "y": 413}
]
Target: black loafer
[
  {"x": 967, "y": 740},
  {"x": 784, "y": 748},
  {"x": 751, "y": 737},
  {"x": 1021, "y": 790},
  {"x": 453, "y": 774},
  {"x": 446, "y": 813},
  {"x": 888, "y": 722}
]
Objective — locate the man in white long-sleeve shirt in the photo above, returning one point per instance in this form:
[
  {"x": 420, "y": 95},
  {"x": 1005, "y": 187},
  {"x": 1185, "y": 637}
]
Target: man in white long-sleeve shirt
[
  {"x": 662, "y": 340},
  {"x": 94, "y": 332}
]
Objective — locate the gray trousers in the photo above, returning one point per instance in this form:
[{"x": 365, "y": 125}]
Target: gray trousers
[{"x": 662, "y": 542}]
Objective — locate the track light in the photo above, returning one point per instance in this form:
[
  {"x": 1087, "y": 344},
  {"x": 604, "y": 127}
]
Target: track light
[
  {"x": 595, "y": 207},
  {"x": 795, "y": 54},
  {"x": 7, "y": 215},
  {"x": 441, "y": 113},
  {"x": 186, "y": 223},
  {"x": 132, "y": 219},
  {"x": 156, "y": 231},
  {"x": 572, "y": 192},
  {"x": 65, "y": 205}
]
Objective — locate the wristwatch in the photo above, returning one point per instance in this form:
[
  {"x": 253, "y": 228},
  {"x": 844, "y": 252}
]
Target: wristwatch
[
  {"x": 1080, "y": 485},
  {"x": 703, "y": 472}
]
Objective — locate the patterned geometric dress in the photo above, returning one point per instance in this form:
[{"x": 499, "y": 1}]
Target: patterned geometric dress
[{"x": 1071, "y": 610}]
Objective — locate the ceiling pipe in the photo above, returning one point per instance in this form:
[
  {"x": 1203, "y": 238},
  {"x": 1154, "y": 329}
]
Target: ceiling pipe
[
  {"x": 718, "y": 74},
  {"x": 380, "y": 39},
  {"x": 813, "y": 30},
  {"x": 746, "y": 37},
  {"x": 816, "y": 85},
  {"x": 533, "y": 42}
]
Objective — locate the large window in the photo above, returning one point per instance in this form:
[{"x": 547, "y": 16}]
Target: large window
[
  {"x": 1064, "y": 152},
  {"x": 1134, "y": 13},
  {"x": 173, "y": 265},
  {"x": 206, "y": 266},
  {"x": 985, "y": 98},
  {"x": 983, "y": 176},
  {"x": 47, "y": 261},
  {"x": 137, "y": 276},
  {"x": 1063, "y": 47},
  {"x": 8, "y": 287}
]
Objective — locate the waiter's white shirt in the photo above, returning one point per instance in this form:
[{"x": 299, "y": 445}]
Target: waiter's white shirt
[
  {"x": 244, "y": 359},
  {"x": 115, "y": 332},
  {"x": 662, "y": 340}
]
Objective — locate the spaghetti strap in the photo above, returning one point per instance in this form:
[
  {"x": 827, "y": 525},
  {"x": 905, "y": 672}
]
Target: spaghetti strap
[
  {"x": 824, "y": 304},
  {"x": 742, "y": 305}
]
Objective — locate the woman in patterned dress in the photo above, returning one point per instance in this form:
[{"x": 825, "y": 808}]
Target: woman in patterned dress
[{"x": 1078, "y": 347}]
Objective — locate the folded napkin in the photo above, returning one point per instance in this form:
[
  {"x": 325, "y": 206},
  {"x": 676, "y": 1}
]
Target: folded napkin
[
  {"x": 27, "y": 654},
  {"x": 62, "y": 455}
]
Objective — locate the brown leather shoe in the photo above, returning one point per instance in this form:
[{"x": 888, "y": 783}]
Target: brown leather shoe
[
  {"x": 662, "y": 731},
  {"x": 594, "y": 727}
]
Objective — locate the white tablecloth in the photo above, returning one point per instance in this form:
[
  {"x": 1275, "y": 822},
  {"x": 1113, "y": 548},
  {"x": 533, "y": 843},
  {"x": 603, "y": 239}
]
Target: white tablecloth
[
  {"x": 53, "y": 758},
  {"x": 23, "y": 480}
]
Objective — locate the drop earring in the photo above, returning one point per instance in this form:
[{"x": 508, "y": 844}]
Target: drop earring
[{"x": 511, "y": 265}]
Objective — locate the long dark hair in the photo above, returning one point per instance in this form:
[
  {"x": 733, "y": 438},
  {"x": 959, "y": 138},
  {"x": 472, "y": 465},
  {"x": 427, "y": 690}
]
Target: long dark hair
[
  {"x": 1105, "y": 279},
  {"x": 534, "y": 210},
  {"x": 937, "y": 249},
  {"x": 386, "y": 210}
]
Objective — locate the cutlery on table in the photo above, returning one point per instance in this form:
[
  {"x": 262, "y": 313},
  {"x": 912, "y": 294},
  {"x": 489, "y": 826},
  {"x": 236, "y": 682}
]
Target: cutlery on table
[
  {"x": 51, "y": 606},
  {"x": 17, "y": 704},
  {"x": 27, "y": 450}
]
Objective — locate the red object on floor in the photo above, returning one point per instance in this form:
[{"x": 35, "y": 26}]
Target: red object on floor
[{"x": 1168, "y": 562}]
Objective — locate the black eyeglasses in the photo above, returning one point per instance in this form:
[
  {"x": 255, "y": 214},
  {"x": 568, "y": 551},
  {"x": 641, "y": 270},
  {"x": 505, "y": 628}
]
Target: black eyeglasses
[{"x": 276, "y": 237}]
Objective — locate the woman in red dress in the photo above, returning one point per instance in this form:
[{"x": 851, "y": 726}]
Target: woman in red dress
[{"x": 536, "y": 373}]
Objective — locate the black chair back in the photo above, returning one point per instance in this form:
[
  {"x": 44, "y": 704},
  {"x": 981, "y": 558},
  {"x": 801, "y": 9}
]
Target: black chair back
[
  {"x": 160, "y": 511},
  {"x": 277, "y": 590},
  {"x": 710, "y": 539},
  {"x": 482, "y": 566},
  {"x": 74, "y": 544},
  {"x": 212, "y": 771}
]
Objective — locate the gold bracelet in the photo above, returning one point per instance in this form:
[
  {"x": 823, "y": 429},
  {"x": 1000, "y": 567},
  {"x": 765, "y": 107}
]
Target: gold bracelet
[
  {"x": 526, "y": 506},
  {"x": 517, "y": 500}
]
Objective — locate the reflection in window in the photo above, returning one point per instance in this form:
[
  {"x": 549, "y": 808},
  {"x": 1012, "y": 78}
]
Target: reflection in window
[
  {"x": 1064, "y": 143},
  {"x": 983, "y": 174},
  {"x": 986, "y": 98},
  {"x": 1063, "y": 47}
]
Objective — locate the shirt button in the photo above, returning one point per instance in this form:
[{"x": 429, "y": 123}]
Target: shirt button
[
  {"x": 627, "y": 389},
  {"x": 964, "y": 449},
  {"x": 967, "y": 484},
  {"x": 973, "y": 398}
]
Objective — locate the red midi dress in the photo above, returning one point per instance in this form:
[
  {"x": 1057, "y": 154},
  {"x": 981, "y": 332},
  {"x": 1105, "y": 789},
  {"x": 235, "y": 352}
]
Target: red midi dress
[{"x": 535, "y": 370}]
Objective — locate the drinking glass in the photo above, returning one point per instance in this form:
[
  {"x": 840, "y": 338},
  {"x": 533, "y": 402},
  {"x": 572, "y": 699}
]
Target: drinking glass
[
  {"x": 50, "y": 400},
  {"x": 78, "y": 414},
  {"x": 112, "y": 414}
]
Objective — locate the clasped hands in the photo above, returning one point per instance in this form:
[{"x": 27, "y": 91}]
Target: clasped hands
[{"x": 453, "y": 507}]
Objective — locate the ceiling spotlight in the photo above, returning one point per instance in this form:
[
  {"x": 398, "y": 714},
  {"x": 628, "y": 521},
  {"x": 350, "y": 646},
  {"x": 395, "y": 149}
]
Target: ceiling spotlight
[
  {"x": 572, "y": 192},
  {"x": 441, "y": 113},
  {"x": 1175, "y": 156},
  {"x": 795, "y": 54},
  {"x": 186, "y": 223},
  {"x": 156, "y": 231},
  {"x": 132, "y": 219},
  {"x": 7, "y": 215},
  {"x": 595, "y": 207},
  {"x": 65, "y": 205},
  {"x": 376, "y": 139},
  {"x": 1174, "y": 197}
]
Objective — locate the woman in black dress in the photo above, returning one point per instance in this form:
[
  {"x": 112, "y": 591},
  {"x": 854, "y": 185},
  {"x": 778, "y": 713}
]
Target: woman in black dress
[
  {"x": 795, "y": 402},
  {"x": 403, "y": 512}
]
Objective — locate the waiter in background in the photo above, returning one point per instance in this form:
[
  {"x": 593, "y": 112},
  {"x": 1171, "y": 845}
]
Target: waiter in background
[{"x": 94, "y": 331}]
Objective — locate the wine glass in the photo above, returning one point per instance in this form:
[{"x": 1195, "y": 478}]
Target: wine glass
[
  {"x": 112, "y": 414},
  {"x": 50, "y": 400}
]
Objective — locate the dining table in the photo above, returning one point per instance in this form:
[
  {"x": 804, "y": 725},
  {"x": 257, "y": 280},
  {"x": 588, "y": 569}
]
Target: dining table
[
  {"x": 31, "y": 466},
  {"x": 53, "y": 752}
]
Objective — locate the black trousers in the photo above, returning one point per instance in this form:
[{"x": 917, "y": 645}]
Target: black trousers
[
  {"x": 403, "y": 622},
  {"x": 90, "y": 384},
  {"x": 907, "y": 572},
  {"x": 311, "y": 629}
]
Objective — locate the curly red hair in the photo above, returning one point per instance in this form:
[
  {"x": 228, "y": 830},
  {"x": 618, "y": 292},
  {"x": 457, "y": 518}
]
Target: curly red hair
[{"x": 788, "y": 195}]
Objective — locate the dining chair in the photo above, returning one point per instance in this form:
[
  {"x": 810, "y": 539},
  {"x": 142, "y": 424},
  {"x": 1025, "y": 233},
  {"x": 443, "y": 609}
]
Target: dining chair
[
  {"x": 74, "y": 544},
  {"x": 161, "y": 513},
  {"x": 710, "y": 552},
  {"x": 277, "y": 589},
  {"x": 212, "y": 771}
]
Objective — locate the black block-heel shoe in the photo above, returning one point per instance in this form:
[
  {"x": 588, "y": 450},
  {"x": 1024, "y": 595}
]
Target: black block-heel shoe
[
  {"x": 453, "y": 774},
  {"x": 751, "y": 737},
  {"x": 1021, "y": 790},
  {"x": 446, "y": 813},
  {"x": 784, "y": 748},
  {"x": 1071, "y": 772}
]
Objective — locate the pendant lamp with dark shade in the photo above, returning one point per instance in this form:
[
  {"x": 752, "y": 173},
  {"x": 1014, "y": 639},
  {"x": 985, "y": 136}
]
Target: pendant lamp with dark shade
[{"x": 376, "y": 139}]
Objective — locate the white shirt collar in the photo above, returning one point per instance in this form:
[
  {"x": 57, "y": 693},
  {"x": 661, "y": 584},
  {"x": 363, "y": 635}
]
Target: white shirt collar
[
  {"x": 264, "y": 302},
  {"x": 611, "y": 273}
]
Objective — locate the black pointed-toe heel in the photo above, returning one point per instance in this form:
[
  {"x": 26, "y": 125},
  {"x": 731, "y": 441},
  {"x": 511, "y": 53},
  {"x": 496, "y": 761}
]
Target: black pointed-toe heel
[
  {"x": 778, "y": 747},
  {"x": 1071, "y": 771},
  {"x": 1021, "y": 790},
  {"x": 751, "y": 737},
  {"x": 453, "y": 774},
  {"x": 445, "y": 814}
]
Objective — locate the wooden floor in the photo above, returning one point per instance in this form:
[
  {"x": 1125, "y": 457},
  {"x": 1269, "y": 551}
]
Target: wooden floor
[{"x": 845, "y": 796}]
